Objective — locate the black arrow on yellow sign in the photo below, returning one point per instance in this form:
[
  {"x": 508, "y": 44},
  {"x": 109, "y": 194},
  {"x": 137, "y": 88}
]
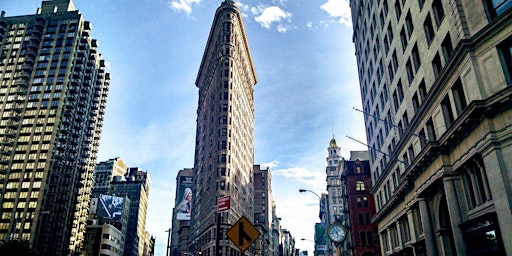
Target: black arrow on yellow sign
[{"x": 243, "y": 235}]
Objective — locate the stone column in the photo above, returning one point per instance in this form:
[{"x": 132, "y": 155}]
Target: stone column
[
  {"x": 428, "y": 227},
  {"x": 412, "y": 232},
  {"x": 452, "y": 200}
]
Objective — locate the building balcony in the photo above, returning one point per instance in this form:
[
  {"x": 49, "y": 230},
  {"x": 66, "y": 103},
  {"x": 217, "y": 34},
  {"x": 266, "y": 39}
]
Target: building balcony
[
  {"x": 27, "y": 68},
  {"x": 25, "y": 75},
  {"x": 6, "y": 151},
  {"x": 21, "y": 83},
  {"x": 36, "y": 32},
  {"x": 33, "y": 46},
  {"x": 35, "y": 40},
  {"x": 9, "y": 142},
  {"x": 14, "y": 118},
  {"x": 30, "y": 53},
  {"x": 39, "y": 24},
  {"x": 20, "y": 92}
]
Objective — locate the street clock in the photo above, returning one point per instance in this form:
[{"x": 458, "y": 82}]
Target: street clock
[{"x": 337, "y": 232}]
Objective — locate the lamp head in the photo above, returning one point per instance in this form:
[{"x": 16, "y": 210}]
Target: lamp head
[{"x": 302, "y": 190}]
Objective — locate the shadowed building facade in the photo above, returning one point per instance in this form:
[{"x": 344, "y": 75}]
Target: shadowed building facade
[
  {"x": 224, "y": 151},
  {"x": 52, "y": 97},
  {"x": 435, "y": 80}
]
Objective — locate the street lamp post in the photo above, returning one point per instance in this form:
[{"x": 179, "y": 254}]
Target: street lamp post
[
  {"x": 307, "y": 190},
  {"x": 168, "y": 241},
  {"x": 326, "y": 222}
]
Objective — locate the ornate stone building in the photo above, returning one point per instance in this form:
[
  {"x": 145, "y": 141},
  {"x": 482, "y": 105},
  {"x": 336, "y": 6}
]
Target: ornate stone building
[
  {"x": 435, "y": 81},
  {"x": 224, "y": 156}
]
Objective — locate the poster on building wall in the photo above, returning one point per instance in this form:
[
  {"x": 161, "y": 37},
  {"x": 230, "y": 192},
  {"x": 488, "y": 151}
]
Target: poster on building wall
[
  {"x": 110, "y": 207},
  {"x": 184, "y": 202},
  {"x": 320, "y": 239}
]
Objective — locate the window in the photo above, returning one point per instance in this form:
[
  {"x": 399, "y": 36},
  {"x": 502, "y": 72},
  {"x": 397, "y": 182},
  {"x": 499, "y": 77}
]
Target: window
[
  {"x": 416, "y": 58},
  {"x": 437, "y": 9},
  {"x": 410, "y": 72},
  {"x": 497, "y": 7},
  {"x": 506, "y": 53},
  {"x": 391, "y": 72},
  {"x": 436, "y": 65},
  {"x": 384, "y": 237},
  {"x": 447, "y": 48},
  {"x": 459, "y": 97},
  {"x": 364, "y": 218},
  {"x": 358, "y": 169},
  {"x": 394, "y": 236},
  {"x": 366, "y": 238},
  {"x": 403, "y": 39},
  {"x": 415, "y": 103},
  {"x": 476, "y": 186},
  {"x": 404, "y": 230},
  {"x": 400, "y": 91},
  {"x": 412, "y": 156},
  {"x": 447, "y": 111},
  {"x": 395, "y": 101},
  {"x": 430, "y": 130},
  {"x": 421, "y": 3},
  {"x": 408, "y": 24},
  {"x": 429, "y": 29},
  {"x": 386, "y": 45},
  {"x": 422, "y": 91},
  {"x": 390, "y": 33},
  {"x": 364, "y": 202},
  {"x": 398, "y": 10},
  {"x": 360, "y": 185}
]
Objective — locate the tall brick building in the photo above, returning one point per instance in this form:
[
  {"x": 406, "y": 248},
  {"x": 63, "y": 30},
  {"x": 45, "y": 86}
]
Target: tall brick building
[{"x": 52, "y": 98}]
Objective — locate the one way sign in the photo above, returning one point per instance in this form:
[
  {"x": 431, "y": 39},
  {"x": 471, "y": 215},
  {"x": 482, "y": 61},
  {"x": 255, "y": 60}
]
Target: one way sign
[{"x": 243, "y": 234}]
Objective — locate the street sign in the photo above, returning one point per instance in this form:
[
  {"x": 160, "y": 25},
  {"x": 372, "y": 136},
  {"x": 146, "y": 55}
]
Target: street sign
[
  {"x": 243, "y": 234},
  {"x": 223, "y": 204}
]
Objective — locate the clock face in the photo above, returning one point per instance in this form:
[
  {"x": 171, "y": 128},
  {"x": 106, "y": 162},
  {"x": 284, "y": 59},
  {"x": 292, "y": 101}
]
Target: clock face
[{"x": 336, "y": 233}]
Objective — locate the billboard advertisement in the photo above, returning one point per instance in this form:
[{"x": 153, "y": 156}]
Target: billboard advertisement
[
  {"x": 184, "y": 202},
  {"x": 320, "y": 239},
  {"x": 110, "y": 207}
]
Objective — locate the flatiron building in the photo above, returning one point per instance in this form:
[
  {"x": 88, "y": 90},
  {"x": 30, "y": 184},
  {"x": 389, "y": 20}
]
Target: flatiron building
[
  {"x": 52, "y": 97},
  {"x": 224, "y": 150}
]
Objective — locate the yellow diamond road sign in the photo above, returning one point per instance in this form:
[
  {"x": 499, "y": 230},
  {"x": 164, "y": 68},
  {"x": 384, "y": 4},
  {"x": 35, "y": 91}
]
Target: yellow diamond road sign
[{"x": 243, "y": 234}]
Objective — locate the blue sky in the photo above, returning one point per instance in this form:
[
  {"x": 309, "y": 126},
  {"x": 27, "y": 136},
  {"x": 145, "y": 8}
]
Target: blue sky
[{"x": 307, "y": 88}]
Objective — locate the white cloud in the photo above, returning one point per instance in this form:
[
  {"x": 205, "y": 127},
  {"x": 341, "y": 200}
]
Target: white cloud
[
  {"x": 272, "y": 164},
  {"x": 311, "y": 178},
  {"x": 271, "y": 14},
  {"x": 184, "y": 5},
  {"x": 339, "y": 9}
]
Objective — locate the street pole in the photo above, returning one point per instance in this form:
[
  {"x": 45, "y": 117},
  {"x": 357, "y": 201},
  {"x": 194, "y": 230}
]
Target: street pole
[
  {"x": 168, "y": 241},
  {"x": 217, "y": 237}
]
